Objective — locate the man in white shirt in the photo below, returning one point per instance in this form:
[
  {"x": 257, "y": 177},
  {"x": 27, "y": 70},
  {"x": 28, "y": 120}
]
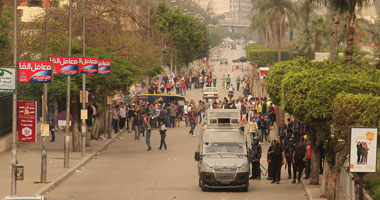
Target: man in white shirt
[{"x": 123, "y": 115}]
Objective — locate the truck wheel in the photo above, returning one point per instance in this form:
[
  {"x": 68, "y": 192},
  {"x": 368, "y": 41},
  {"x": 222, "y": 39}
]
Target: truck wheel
[{"x": 203, "y": 186}]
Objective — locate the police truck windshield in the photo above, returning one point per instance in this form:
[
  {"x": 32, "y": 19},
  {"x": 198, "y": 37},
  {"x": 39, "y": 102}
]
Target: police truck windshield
[{"x": 224, "y": 147}]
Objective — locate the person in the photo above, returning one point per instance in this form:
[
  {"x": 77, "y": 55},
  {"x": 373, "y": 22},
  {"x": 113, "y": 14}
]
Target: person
[
  {"x": 282, "y": 132},
  {"x": 308, "y": 159},
  {"x": 191, "y": 117},
  {"x": 172, "y": 114},
  {"x": 148, "y": 131},
  {"x": 115, "y": 118},
  {"x": 224, "y": 81},
  {"x": 269, "y": 161},
  {"x": 299, "y": 158},
  {"x": 267, "y": 128},
  {"x": 214, "y": 80},
  {"x": 228, "y": 81},
  {"x": 123, "y": 116},
  {"x": 163, "y": 135},
  {"x": 51, "y": 126},
  {"x": 256, "y": 152},
  {"x": 262, "y": 129},
  {"x": 252, "y": 129},
  {"x": 277, "y": 159},
  {"x": 238, "y": 81},
  {"x": 137, "y": 123},
  {"x": 289, "y": 151}
]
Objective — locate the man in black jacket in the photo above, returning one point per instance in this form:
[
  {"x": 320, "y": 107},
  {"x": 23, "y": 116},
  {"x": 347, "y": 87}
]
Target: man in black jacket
[
  {"x": 289, "y": 156},
  {"x": 277, "y": 160},
  {"x": 256, "y": 152},
  {"x": 299, "y": 157}
]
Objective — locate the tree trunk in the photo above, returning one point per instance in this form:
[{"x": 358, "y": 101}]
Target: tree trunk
[
  {"x": 98, "y": 121},
  {"x": 333, "y": 183},
  {"x": 350, "y": 37},
  {"x": 279, "y": 42},
  {"x": 314, "y": 174},
  {"x": 76, "y": 133},
  {"x": 326, "y": 174},
  {"x": 334, "y": 35},
  {"x": 1, "y": 7}
]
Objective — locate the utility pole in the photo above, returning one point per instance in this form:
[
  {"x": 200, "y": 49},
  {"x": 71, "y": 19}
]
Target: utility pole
[
  {"x": 45, "y": 109},
  {"x": 67, "y": 136},
  {"x": 14, "y": 106},
  {"x": 83, "y": 149}
]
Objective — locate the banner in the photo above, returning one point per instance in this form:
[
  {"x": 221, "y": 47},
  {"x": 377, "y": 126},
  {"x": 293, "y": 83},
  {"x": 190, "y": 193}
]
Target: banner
[
  {"x": 88, "y": 65},
  {"x": 34, "y": 72},
  {"x": 27, "y": 121},
  {"x": 67, "y": 66},
  {"x": 104, "y": 67},
  {"x": 7, "y": 80},
  {"x": 363, "y": 149}
]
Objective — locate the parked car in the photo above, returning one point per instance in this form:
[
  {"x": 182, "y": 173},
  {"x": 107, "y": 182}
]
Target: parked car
[
  {"x": 233, "y": 47},
  {"x": 224, "y": 61},
  {"x": 243, "y": 59},
  {"x": 235, "y": 60}
]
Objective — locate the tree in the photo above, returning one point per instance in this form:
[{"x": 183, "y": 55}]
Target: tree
[{"x": 5, "y": 45}]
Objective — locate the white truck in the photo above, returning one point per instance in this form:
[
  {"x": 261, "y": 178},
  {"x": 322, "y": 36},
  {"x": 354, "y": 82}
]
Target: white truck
[{"x": 222, "y": 152}]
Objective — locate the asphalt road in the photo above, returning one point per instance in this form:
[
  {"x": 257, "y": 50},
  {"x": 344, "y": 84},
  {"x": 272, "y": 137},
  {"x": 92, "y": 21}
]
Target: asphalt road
[{"x": 126, "y": 171}]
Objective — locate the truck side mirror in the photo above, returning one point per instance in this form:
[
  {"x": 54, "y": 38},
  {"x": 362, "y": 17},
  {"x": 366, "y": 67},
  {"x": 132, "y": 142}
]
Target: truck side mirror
[{"x": 197, "y": 156}]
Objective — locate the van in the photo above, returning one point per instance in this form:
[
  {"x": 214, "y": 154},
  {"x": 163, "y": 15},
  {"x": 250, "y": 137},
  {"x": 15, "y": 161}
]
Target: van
[{"x": 222, "y": 152}]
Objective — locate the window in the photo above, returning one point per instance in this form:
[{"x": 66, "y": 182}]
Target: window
[{"x": 34, "y": 3}]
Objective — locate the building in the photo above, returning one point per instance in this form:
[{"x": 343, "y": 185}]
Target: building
[{"x": 218, "y": 7}]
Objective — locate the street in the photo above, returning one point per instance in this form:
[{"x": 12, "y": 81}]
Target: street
[{"x": 127, "y": 171}]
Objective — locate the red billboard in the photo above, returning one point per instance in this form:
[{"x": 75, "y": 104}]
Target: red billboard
[
  {"x": 66, "y": 66},
  {"x": 88, "y": 65},
  {"x": 34, "y": 72},
  {"x": 27, "y": 121},
  {"x": 104, "y": 67}
]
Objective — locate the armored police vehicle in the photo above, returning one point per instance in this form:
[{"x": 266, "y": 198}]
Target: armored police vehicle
[{"x": 222, "y": 152}]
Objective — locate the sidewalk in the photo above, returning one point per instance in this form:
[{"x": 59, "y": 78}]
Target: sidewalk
[
  {"x": 29, "y": 156},
  {"x": 313, "y": 191}
]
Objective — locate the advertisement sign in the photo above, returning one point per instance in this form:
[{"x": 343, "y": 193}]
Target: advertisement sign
[
  {"x": 61, "y": 120},
  {"x": 27, "y": 121},
  {"x": 104, "y": 67},
  {"x": 363, "y": 149},
  {"x": 34, "y": 72},
  {"x": 88, "y": 65},
  {"x": 67, "y": 66},
  {"x": 45, "y": 130},
  {"x": 19, "y": 173},
  {"x": 7, "y": 80}
]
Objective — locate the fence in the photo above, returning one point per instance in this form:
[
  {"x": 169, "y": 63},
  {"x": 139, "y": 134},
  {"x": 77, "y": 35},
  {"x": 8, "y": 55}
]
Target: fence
[{"x": 5, "y": 114}]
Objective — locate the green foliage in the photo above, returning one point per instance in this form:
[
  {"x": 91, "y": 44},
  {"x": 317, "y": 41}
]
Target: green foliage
[
  {"x": 188, "y": 35},
  {"x": 255, "y": 46},
  {"x": 372, "y": 185},
  {"x": 263, "y": 57},
  {"x": 5, "y": 45}
]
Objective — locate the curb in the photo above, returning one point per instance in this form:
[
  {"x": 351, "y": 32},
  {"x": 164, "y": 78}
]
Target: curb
[
  {"x": 308, "y": 192},
  {"x": 71, "y": 171}
]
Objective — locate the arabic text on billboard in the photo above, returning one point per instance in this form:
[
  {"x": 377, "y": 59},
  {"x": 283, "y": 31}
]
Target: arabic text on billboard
[
  {"x": 88, "y": 65},
  {"x": 104, "y": 67},
  {"x": 66, "y": 66},
  {"x": 34, "y": 72}
]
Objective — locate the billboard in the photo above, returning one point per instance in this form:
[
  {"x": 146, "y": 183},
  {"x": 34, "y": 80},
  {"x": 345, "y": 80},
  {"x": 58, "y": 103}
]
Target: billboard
[
  {"x": 34, "y": 72},
  {"x": 7, "y": 80},
  {"x": 67, "y": 66},
  {"x": 27, "y": 121},
  {"x": 88, "y": 65},
  {"x": 363, "y": 149},
  {"x": 104, "y": 67}
]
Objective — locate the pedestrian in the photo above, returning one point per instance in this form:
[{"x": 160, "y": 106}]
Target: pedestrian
[
  {"x": 277, "y": 159},
  {"x": 308, "y": 159},
  {"x": 289, "y": 151},
  {"x": 51, "y": 126},
  {"x": 262, "y": 130},
  {"x": 172, "y": 114},
  {"x": 282, "y": 132},
  {"x": 163, "y": 135},
  {"x": 115, "y": 118},
  {"x": 256, "y": 154},
  {"x": 299, "y": 158},
  {"x": 228, "y": 81},
  {"x": 123, "y": 116},
  {"x": 252, "y": 129},
  {"x": 214, "y": 80},
  {"x": 238, "y": 81},
  {"x": 148, "y": 131},
  {"x": 269, "y": 161},
  {"x": 267, "y": 128},
  {"x": 137, "y": 123},
  {"x": 191, "y": 115}
]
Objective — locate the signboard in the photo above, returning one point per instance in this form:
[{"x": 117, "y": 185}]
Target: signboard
[
  {"x": 83, "y": 114},
  {"x": 81, "y": 96},
  {"x": 104, "y": 67},
  {"x": 88, "y": 65},
  {"x": 34, "y": 72},
  {"x": 61, "y": 120},
  {"x": 67, "y": 66},
  {"x": 19, "y": 173},
  {"x": 27, "y": 121},
  {"x": 363, "y": 150},
  {"x": 7, "y": 80},
  {"x": 45, "y": 130}
]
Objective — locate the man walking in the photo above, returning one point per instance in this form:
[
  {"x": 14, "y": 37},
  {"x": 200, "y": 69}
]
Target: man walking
[
  {"x": 228, "y": 81},
  {"x": 289, "y": 151},
  {"x": 115, "y": 118},
  {"x": 256, "y": 152},
  {"x": 192, "y": 119},
  {"x": 278, "y": 159},
  {"x": 298, "y": 161},
  {"x": 148, "y": 131},
  {"x": 163, "y": 135},
  {"x": 238, "y": 81},
  {"x": 51, "y": 126}
]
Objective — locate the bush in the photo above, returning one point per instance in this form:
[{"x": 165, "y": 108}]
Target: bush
[
  {"x": 372, "y": 185},
  {"x": 255, "y": 46},
  {"x": 262, "y": 57}
]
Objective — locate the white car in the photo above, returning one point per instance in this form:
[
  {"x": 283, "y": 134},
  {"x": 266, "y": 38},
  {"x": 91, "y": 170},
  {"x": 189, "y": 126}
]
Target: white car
[
  {"x": 24, "y": 197},
  {"x": 210, "y": 93}
]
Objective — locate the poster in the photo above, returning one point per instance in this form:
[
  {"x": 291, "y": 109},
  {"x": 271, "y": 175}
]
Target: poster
[
  {"x": 67, "y": 66},
  {"x": 363, "y": 149},
  {"x": 27, "y": 121},
  {"x": 88, "y": 65},
  {"x": 104, "y": 67},
  {"x": 7, "y": 80},
  {"x": 34, "y": 72},
  {"x": 45, "y": 130}
]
